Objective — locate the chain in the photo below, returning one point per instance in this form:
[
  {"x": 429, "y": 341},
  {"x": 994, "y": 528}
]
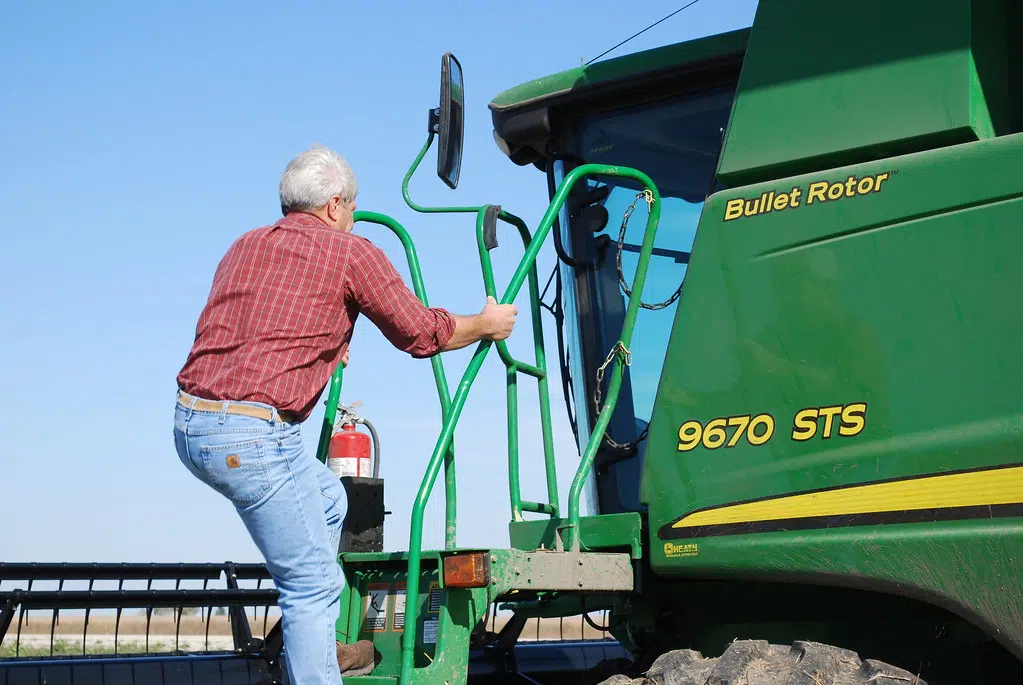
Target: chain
[
  {"x": 618, "y": 349},
  {"x": 649, "y": 197},
  {"x": 626, "y": 359}
]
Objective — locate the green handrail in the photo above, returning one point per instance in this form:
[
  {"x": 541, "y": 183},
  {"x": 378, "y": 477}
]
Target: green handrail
[
  {"x": 621, "y": 353},
  {"x": 458, "y": 401},
  {"x": 513, "y": 367},
  {"x": 330, "y": 413},
  {"x": 440, "y": 378},
  {"x": 539, "y": 371}
]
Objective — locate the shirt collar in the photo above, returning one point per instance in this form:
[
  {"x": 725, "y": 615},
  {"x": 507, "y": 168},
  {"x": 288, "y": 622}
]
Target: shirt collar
[{"x": 302, "y": 219}]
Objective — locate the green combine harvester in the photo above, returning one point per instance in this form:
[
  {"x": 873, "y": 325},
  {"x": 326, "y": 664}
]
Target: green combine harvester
[{"x": 787, "y": 262}]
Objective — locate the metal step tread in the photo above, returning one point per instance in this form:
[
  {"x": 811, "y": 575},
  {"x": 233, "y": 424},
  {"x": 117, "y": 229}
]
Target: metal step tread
[{"x": 514, "y": 569}]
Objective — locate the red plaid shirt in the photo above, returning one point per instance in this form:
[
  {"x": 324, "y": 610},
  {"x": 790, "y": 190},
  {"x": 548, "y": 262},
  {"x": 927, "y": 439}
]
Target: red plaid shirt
[{"x": 281, "y": 311}]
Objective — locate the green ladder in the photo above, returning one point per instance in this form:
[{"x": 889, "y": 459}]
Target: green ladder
[{"x": 428, "y": 622}]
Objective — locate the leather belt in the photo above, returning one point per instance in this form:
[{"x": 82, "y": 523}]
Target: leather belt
[{"x": 185, "y": 400}]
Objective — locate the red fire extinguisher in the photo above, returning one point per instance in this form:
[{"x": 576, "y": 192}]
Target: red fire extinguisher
[{"x": 349, "y": 453}]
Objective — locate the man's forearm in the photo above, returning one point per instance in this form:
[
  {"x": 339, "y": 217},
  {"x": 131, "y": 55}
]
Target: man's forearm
[
  {"x": 495, "y": 322},
  {"x": 468, "y": 329}
]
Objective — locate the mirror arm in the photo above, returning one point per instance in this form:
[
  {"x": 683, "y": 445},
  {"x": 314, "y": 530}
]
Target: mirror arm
[
  {"x": 415, "y": 165},
  {"x": 408, "y": 177}
]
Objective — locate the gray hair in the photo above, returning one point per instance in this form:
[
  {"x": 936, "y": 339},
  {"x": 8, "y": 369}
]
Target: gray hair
[{"x": 313, "y": 177}]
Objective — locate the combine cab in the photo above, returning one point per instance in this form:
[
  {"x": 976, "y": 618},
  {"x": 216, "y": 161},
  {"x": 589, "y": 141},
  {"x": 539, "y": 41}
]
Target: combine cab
[{"x": 786, "y": 263}]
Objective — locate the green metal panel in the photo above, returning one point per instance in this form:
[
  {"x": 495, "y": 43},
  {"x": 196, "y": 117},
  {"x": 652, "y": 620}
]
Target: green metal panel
[
  {"x": 445, "y": 617},
  {"x": 903, "y": 299},
  {"x": 826, "y": 83}
]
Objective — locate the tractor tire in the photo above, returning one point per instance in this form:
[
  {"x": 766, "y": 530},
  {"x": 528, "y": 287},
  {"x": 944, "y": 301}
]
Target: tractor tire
[{"x": 756, "y": 662}]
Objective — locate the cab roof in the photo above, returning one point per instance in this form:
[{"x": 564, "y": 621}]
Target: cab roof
[{"x": 519, "y": 111}]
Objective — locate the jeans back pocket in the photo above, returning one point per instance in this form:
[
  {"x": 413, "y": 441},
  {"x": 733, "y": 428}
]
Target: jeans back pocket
[{"x": 238, "y": 470}]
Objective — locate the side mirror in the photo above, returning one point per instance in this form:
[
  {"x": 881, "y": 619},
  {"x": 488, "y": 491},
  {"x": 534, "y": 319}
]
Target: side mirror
[{"x": 450, "y": 135}]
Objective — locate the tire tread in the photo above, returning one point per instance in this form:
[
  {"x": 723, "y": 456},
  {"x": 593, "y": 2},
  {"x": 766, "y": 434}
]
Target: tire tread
[{"x": 757, "y": 662}]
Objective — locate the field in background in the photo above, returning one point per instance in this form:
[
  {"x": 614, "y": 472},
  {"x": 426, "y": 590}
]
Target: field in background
[{"x": 196, "y": 634}]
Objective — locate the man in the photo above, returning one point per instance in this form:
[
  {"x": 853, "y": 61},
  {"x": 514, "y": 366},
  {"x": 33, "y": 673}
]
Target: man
[{"x": 278, "y": 320}]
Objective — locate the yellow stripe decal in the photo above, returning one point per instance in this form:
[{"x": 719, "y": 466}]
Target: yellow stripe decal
[{"x": 977, "y": 488}]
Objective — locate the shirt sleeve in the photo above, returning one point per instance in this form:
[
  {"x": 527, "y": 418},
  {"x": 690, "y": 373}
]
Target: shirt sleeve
[{"x": 377, "y": 290}]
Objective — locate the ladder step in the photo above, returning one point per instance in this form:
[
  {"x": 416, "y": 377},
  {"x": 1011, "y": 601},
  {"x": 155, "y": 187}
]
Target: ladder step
[
  {"x": 373, "y": 603},
  {"x": 515, "y": 569}
]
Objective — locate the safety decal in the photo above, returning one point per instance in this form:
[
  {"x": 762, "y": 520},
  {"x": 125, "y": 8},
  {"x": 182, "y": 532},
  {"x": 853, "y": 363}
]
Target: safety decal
[
  {"x": 398, "y": 624},
  {"x": 376, "y": 608},
  {"x": 436, "y": 598},
  {"x": 430, "y": 631}
]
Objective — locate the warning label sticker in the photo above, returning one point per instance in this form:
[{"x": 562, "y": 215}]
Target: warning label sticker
[
  {"x": 436, "y": 598},
  {"x": 376, "y": 608},
  {"x": 430, "y": 632},
  {"x": 399, "y": 607}
]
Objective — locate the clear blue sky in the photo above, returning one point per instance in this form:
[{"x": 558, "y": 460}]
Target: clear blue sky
[{"x": 138, "y": 140}]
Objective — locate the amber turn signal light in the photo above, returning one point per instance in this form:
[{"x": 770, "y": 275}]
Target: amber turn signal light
[{"x": 466, "y": 570}]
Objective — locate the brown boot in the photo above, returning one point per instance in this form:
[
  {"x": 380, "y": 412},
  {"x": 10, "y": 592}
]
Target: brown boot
[{"x": 357, "y": 659}]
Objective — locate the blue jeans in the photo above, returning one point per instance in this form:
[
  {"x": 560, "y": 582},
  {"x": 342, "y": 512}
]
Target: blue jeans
[{"x": 293, "y": 507}]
